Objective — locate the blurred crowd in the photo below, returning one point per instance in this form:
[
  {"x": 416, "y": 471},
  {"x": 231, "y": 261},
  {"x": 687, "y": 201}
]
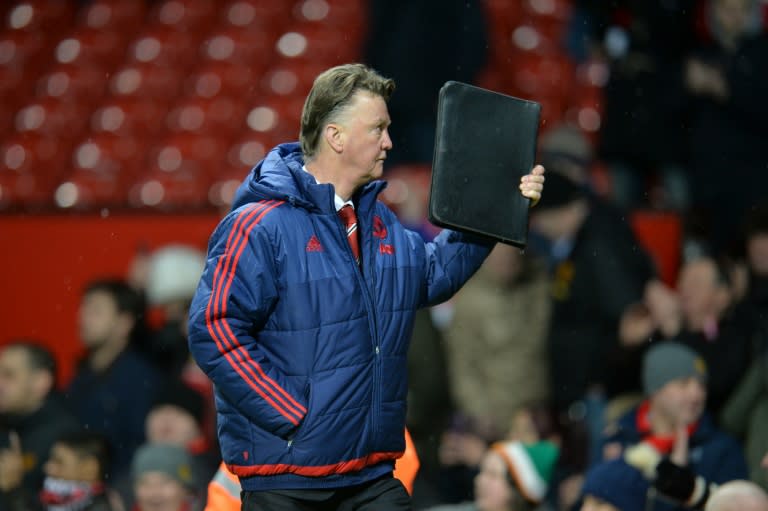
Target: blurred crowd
[{"x": 570, "y": 375}]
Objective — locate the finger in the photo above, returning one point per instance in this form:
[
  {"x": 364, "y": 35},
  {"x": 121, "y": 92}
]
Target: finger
[
  {"x": 14, "y": 442},
  {"x": 538, "y": 170}
]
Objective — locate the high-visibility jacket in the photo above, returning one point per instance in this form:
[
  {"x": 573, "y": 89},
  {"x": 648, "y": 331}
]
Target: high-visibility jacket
[{"x": 224, "y": 488}]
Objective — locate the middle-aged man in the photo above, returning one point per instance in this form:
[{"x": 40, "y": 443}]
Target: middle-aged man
[
  {"x": 303, "y": 315},
  {"x": 32, "y": 417}
]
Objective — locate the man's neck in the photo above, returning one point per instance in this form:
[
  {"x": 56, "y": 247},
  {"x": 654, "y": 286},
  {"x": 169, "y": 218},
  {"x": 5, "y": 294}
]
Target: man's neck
[
  {"x": 103, "y": 356},
  {"x": 327, "y": 171}
]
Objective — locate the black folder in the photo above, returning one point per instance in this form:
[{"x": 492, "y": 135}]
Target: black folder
[{"x": 485, "y": 142}]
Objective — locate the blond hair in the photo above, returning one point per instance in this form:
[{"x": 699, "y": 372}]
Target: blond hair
[{"x": 331, "y": 93}]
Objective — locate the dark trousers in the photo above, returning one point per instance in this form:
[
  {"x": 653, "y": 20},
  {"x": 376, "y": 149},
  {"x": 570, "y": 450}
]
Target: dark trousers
[{"x": 383, "y": 494}]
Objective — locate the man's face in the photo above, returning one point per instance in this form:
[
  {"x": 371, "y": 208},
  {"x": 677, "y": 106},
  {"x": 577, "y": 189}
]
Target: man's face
[
  {"x": 681, "y": 401},
  {"x": 757, "y": 254},
  {"x": 156, "y": 491},
  {"x": 733, "y": 15},
  {"x": 99, "y": 318},
  {"x": 592, "y": 503},
  {"x": 492, "y": 487},
  {"x": 171, "y": 424},
  {"x": 698, "y": 289},
  {"x": 19, "y": 385},
  {"x": 64, "y": 463},
  {"x": 366, "y": 140}
]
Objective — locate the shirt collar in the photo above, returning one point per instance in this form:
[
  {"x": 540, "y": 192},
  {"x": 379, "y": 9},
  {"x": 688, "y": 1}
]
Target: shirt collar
[{"x": 337, "y": 201}]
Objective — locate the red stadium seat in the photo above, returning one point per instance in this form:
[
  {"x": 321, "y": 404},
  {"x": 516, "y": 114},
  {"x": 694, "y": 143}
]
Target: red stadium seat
[
  {"x": 318, "y": 44},
  {"x": 52, "y": 117},
  {"x": 113, "y": 15},
  {"x": 101, "y": 167},
  {"x": 68, "y": 82},
  {"x": 132, "y": 116},
  {"x": 241, "y": 156},
  {"x": 220, "y": 115},
  {"x": 290, "y": 78},
  {"x": 89, "y": 47},
  {"x": 23, "y": 50},
  {"x": 163, "y": 47},
  {"x": 183, "y": 15},
  {"x": 244, "y": 46},
  {"x": 221, "y": 78},
  {"x": 276, "y": 118},
  {"x": 46, "y": 16},
  {"x": 146, "y": 81},
  {"x": 30, "y": 164},
  {"x": 257, "y": 15}
]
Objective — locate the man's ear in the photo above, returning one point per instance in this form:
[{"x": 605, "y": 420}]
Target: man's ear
[{"x": 334, "y": 136}]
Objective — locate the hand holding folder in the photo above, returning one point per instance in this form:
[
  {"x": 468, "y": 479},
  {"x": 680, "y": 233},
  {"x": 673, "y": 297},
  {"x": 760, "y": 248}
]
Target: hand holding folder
[{"x": 485, "y": 142}]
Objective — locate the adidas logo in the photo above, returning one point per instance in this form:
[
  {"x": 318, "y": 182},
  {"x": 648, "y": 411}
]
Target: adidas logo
[{"x": 313, "y": 245}]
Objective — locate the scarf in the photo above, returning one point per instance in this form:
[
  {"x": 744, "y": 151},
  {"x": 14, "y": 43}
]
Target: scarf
[
  {"x": 64, "y": 495},
  {"x": 662, "y": 443}
]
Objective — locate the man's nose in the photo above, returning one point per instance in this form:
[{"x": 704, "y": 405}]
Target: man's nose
[{"x": 387, "y": 142}]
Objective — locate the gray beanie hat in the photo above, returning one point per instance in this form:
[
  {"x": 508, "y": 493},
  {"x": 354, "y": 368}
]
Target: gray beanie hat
[
  {"x": 171, "y": 460},
  {"x": 670, "y": 360}
]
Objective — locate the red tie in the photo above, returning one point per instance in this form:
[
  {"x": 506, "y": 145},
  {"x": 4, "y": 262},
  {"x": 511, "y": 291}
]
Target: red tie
[{"x": 347, "y": 214}]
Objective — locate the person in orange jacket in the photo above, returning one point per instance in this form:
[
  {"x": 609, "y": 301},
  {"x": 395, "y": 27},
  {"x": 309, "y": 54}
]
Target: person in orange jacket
[{"x": 224, "y": 488}]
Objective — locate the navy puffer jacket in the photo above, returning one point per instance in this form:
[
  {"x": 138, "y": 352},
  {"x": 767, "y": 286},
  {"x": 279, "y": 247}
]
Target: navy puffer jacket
[{"x": 306, "y": 352}]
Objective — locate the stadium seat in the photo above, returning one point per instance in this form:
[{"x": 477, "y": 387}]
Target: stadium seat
[
  {"x": 47, "y": 16},
  {"x": 220, "y": 115},
  {"x": 243, "y": 46},
  {"x": 218, "y": 78},
  {"x": 113, "y": 15},
  {"x": 133, "y": 116},
  {"x": 162, "y": 46},
  {"x": 183, "y": 15},
  {"x": 241, "y": 156},
  {"x": 319, "y": 44},
  {"x": 102, "y": 165},
  {"x": 24, "y": 50},
  {"x": 30, "y": 164},
  {"x": 52, "y": 117},
  {"x": 276, "y": 118},
  {"x": 290, "y": 78},
  {"x": 69, "y": 82},
  {"x": 147, "y": 81},
  {"x": 90, "y": 47},
  {"x": 257, "y": 15}
]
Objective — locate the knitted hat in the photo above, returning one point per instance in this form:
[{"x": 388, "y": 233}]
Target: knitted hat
[
  {"x": 182, "y": 396},
  {"x": 174, "y": 272},
  {"x": 171, "y": 460},
  {"x": 669, "y": 360},
  {"x": 617, "y": 483},
  {"x": 566, "y": 141},
  {"x": 559, "y": 190},
  {"x": 530, "y": 466}
]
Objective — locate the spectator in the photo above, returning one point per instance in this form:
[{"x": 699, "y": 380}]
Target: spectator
[
  {"x": 32, "y": 417},
  {"x": 599, "y": 271},
  {"x": 672, "y": 422},
  {"x": 113, "y": 387},
  {"x": 738, "y": 496},
  {"x": 172, "y": 277},
  {"x": 176, "y": 417},
  {"x": 725, "y": 80},
  {"x": 614, "y": 486},
  {"x": 76, "y": 473},
  {"x": 514, "y": 476},
  {"x": 163, "y": 479}
]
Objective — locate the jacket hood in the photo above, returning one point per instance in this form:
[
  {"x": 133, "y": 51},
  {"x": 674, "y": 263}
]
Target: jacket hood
[{"x": 280, "y": 176}]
